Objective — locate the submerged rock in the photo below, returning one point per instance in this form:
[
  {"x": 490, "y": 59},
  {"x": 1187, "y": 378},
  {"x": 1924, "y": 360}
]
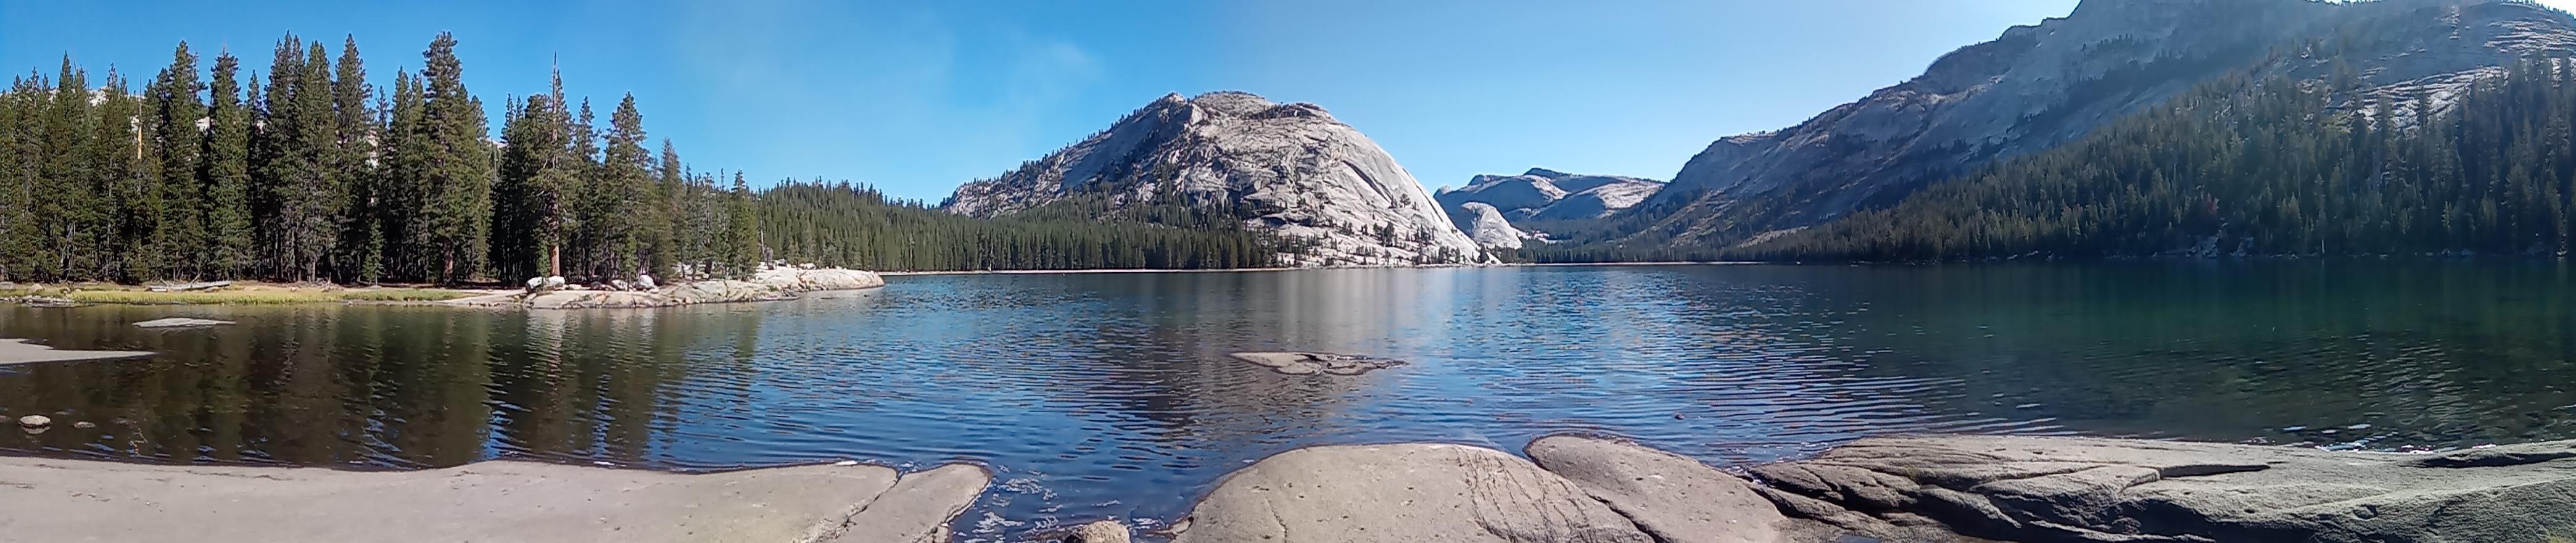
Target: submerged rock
[
  {"x": 19, "y": 351},
  {"x": 2107, "y": 490},
  {"x": 1402, "y": 492},
  {"x": 1293, "y": 363},
  {"x": 35, "y": 421},
  {"x": 181, "y": 322},
  {"x": 1106, "y": 531}
]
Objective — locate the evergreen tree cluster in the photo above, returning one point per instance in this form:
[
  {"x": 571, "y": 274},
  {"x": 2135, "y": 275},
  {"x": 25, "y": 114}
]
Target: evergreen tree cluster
[
  {"x": 856, "y": 226},
  {"x": 314, "y": 175},
  {"x": 2246, "y": 166}
]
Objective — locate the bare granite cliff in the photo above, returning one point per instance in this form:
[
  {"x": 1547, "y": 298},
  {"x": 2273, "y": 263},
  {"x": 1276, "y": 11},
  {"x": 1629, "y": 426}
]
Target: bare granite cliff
[{"x": 1290, "y": 170}]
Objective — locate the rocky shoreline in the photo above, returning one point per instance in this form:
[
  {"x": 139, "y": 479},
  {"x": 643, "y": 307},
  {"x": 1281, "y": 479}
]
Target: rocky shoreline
[
  {"x": 770, "y": 284},
  {"x": 1568, "y": 488}
]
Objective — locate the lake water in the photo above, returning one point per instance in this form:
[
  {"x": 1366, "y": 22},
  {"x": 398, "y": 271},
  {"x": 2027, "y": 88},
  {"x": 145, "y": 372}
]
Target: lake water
[{"x": 1111, "y": 395}]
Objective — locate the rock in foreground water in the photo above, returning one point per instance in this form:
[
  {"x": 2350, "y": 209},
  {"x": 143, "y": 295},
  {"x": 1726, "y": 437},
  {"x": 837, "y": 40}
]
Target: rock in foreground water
[
  {"x": 2082, "y": 489},
  {"x": 1313, "y": 363},
  {"x": 181, "y": 322},
  {"x": 79, "y": 500},
  {"x": 1402, "y": 492},
  {"x": 19, "y": 351},
  {"x": 1105, "y": 531}
]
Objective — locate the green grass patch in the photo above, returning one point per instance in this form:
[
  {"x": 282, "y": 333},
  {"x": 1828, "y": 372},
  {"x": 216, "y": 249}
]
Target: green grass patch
[
  {"x": 242, "y": 297},
  {"x": 402, "y": 295}
]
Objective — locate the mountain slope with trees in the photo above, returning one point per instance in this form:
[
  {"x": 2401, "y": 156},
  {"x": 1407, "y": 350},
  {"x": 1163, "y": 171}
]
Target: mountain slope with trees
[
  {"x": 2248, "y": 166},
  {"x": 2039, "y": 87}
]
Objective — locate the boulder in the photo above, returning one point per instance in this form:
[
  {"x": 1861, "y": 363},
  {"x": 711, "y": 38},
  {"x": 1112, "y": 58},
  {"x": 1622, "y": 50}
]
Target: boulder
[
  {"x": 2061, "y": 489},
  {"x": 1678, "y": 500},
  {"x": 1400, "y": 493},
  {"x": 181, "y": 322},
  {"x": 35, "y": 421}
]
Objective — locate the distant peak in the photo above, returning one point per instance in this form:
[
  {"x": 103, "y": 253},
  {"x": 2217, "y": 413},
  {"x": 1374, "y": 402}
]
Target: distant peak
[{"x": 1547, "y": 173}]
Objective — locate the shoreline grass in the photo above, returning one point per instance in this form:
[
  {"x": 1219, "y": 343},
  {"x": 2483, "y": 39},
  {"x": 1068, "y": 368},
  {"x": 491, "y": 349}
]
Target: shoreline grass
[{"x": 239, "y": 296}]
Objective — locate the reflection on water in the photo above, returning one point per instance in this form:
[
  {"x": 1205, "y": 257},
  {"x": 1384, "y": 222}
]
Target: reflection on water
[{"x": 1112, "y": 395}]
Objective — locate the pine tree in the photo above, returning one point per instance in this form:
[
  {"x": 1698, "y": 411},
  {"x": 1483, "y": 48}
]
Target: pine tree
[
  {"x": 177, "y": 144},
  {"x": 21, "y": 152},
  {"x": 229, "y": 233},
  {"x": 361, "y": 240},
  {"x": 310, "y": 193},
  {"x": 620, "y": 196},
  {"x": 742, "y": 232},
  {"x": 662, "y": 220},
  {"x": 126, "y": 201},
  {"x": 404, "y": 167},
  {"x": 456, "y": 214},
  {"x": 66, "y": 209}
]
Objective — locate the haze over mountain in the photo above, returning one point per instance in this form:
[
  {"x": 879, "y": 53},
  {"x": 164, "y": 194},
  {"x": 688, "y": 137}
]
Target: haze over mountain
[{"x": 1490, "y": 206}]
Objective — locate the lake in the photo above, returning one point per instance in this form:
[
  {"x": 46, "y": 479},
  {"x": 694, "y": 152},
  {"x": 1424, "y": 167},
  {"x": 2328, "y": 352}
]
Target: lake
[{"x": 1111, "y": 394}]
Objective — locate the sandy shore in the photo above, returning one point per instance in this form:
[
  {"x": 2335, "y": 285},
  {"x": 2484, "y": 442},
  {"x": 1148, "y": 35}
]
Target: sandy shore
[
  {"x": 82, "y": 500},
  {"x": 19, "y": 351}
]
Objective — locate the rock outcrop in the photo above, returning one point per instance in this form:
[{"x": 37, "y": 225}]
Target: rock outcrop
[
  {"x": 794, "y": 279},
  {"x": 2056, "y": 489},
  {"x": 696, "y": 292},
  {"x": 85, "y": 500},
  {"x": 1286, "y": 169},
  {"x": 1676, "y": 499},
  {"x": 1962, "y": 489},
  {"x": 1403, "y": 492},
  {"x": 2039, "y": 86},
  {"x": 1487, "y": 226}
]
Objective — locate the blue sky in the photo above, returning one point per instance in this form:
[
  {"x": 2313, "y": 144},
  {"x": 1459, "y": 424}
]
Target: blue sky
[{"x": 918, "y": 97}]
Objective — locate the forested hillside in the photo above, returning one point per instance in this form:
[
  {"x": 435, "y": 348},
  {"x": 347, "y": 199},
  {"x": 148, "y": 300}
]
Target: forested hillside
[
  {"x": 2259, "y": 167},
  {"x": 309, "y": 173}
]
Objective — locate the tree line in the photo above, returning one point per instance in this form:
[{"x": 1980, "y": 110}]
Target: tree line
[
  {"x": 857, "y": 226},
  {"x": 311, "y": 174},
  {"x": 2260, "y": 166}
]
